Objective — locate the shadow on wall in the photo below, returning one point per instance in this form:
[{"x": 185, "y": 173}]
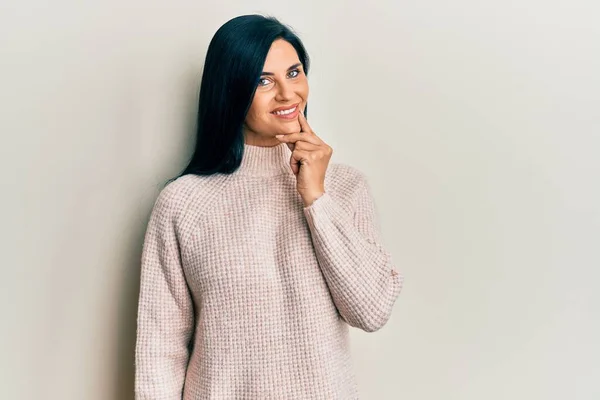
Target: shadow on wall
[
  {"x": 127, "y": 323},
  {"x": 124, "y": 370}
]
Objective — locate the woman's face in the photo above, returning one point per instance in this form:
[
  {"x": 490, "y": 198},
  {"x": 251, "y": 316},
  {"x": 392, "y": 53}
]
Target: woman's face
[{"x": 282, "y": 87}]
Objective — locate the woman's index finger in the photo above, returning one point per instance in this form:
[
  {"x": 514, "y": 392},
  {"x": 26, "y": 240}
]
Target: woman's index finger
[{"x": 304, "y": 127}]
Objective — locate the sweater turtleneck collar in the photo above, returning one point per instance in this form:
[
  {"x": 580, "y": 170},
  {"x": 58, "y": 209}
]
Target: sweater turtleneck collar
[{"x": 265, "y": 161}]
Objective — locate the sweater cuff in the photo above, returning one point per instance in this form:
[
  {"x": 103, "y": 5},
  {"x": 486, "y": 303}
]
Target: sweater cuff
[{"x": 325, "y": 206}]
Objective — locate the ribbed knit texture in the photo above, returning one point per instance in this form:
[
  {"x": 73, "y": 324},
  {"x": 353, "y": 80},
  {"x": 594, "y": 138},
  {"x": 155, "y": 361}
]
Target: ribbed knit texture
[{"x": 247, "y": 294}]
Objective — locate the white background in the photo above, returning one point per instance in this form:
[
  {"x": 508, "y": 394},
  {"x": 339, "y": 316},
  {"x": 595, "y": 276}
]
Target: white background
[{"x": 477, "y": 123}]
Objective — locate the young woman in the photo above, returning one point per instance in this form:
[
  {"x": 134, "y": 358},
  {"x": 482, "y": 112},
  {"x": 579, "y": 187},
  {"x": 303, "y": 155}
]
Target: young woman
[{"x": 260, "y": 254}]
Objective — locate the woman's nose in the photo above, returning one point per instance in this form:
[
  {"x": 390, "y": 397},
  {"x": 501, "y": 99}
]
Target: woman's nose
[{"x": 284, "y": 91}]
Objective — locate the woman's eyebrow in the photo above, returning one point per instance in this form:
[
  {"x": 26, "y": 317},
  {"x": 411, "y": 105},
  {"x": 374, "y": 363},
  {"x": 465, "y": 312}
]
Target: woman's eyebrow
[{"x": 290, "y": 68}]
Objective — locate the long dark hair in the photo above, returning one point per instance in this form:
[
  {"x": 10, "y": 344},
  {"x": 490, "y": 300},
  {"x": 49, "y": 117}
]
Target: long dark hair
[{"x": 232, "y": 69}]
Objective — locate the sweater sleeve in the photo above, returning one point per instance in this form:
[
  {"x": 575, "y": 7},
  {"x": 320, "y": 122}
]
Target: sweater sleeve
[
  {"x": 357, "y": 268},
  {"x": 165, "y": 311}
]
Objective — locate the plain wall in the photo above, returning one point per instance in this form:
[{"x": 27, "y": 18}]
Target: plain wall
[{"x": 477, "y": 123}]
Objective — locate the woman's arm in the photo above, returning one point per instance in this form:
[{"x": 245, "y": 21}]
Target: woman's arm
[
  {"x": 359, "y": 272},
  {"x": 165, "y": 319}
]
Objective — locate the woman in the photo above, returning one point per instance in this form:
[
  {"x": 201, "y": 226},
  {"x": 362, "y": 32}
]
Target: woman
[{"x": 261, "y": 254}]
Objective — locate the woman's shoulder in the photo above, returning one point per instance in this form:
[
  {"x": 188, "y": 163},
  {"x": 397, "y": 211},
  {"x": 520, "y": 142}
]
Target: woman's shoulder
[
  {"x": 188, "y": 190},
  {"x": 342, "y": 176}
]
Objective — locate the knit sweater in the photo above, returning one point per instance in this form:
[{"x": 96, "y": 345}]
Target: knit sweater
[{"x": 246, "y": 293}]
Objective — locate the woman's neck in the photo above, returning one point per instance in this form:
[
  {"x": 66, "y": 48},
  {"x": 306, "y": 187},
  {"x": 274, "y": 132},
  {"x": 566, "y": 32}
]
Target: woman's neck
[{"x": 265, "y": 160}]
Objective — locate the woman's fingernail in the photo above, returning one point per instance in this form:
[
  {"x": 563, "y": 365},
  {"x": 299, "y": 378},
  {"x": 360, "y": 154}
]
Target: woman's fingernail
[{"x": 278, "y": 136}]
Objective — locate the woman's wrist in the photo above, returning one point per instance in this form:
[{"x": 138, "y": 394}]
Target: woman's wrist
[{"x": 310, "y": 198}]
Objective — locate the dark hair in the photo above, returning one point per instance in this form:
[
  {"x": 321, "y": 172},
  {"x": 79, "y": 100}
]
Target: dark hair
[{"x": 232, "y": 69}]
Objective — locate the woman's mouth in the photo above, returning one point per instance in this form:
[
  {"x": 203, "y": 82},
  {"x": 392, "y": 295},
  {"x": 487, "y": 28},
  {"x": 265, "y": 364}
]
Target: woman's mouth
[{"x": 290, "y": 112}]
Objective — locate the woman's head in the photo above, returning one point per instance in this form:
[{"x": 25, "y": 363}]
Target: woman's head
[
  {"x": 281, "y": 94},
  {"x": 245, "y": 79}
]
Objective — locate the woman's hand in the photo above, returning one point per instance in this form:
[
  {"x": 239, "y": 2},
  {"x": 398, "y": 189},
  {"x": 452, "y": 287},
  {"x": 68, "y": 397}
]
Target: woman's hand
[{"x": 309, "y": 161}]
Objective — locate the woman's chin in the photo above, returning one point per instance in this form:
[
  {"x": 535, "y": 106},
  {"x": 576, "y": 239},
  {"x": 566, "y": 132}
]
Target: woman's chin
[{"x": 288, "y": 129}]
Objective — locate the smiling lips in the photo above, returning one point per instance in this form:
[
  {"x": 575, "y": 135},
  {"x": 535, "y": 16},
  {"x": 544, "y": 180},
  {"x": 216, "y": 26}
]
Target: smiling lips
[{"x": 287, "y": 112}]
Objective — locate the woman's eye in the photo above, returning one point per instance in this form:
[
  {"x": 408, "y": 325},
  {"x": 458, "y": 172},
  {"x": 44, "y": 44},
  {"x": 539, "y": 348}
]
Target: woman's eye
[{"x": 266, "y": 81}]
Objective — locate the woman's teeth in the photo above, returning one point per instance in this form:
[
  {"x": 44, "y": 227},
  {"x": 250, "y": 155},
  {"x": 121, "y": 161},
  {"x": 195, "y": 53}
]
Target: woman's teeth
[{"x": 285, "y": 112}]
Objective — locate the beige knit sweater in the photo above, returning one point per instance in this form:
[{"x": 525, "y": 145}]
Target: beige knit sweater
[{"x": 247, "y": 294}]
